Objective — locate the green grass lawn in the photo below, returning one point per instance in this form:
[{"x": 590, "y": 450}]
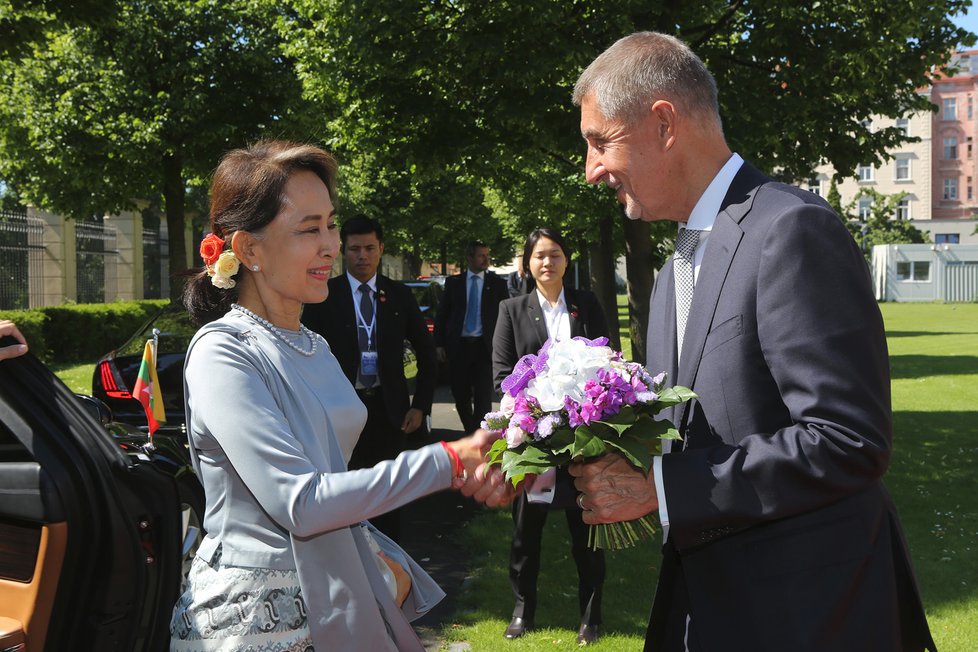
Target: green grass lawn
[
  {"x": 933, "y": 479},
  {"x": 78, "y": 377}
]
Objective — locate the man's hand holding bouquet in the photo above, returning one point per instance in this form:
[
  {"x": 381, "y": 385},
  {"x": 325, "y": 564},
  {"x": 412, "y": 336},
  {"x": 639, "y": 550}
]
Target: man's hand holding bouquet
[{"x": 575, "y": 400}]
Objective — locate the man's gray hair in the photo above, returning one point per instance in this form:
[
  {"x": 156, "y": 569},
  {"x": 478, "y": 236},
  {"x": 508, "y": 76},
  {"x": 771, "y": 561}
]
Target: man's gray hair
[{"x": 644, "y": 67}]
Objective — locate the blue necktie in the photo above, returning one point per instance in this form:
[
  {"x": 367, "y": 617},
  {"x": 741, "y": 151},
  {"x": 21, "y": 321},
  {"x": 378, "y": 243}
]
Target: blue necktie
[{"x": 472, "y": 307}]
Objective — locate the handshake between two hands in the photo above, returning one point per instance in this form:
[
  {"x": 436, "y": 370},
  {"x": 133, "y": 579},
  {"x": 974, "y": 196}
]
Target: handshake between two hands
[{"x": 482, "y": 482}]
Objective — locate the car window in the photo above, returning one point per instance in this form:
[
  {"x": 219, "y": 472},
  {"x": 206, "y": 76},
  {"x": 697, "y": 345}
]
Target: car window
[{"x": 176, "y": 331}]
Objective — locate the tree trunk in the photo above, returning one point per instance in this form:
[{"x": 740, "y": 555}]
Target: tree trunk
[
  {"x": 174, "y": 197},
  {"x": 639, "y": 261},
  {"x": 601, "y": 253}
]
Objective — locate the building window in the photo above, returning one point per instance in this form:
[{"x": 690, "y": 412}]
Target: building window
[
  {"x": 903, "y": 209},
  {"x": 814, "y": 187},
  {"x": 950, "y": 148},
  {"x": 950, "y": 189},
  {"x": 903, "y": 124},
  {"x": 970, "y": 108},
  {"x": 864, "y": 172},
  {"x": 865, "y": 205},
  {"x": 950, "y": 108},
  {"x": 947, "y": 238},
  {"x": 913, "y": 270},
  {"x": 902, "y": 168}
]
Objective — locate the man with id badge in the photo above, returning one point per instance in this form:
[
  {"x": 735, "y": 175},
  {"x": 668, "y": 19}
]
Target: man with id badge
[{"x": 366, "y": 319}]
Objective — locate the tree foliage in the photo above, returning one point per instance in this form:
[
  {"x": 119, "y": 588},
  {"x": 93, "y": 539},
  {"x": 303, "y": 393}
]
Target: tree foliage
[
  {"x": 481, "y": 90},
  {"x": 98, "y": 115},
  {"x": 451, "y": 118},
  {"x": 881, "y": 226}
]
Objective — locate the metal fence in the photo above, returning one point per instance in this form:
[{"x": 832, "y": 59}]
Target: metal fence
[
  {"x": 95, "y": 258},
  {"x": 156, "y": 264},
  {"x": 21, "y": 259}
]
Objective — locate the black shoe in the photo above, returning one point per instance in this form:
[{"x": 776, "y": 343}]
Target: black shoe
[
  {"x": 517, "y": 627},
  {"x": 587, "y": 634}
]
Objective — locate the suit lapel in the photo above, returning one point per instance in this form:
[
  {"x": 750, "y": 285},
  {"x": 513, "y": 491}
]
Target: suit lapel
[
  {"x": 535, "y": 314},
  {"x": 721, "y": 247}
]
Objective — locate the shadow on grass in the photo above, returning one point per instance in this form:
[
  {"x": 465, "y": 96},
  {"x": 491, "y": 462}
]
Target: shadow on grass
[
  {"x": 628, "y": 589},
  {"x": 927, "y": 333},
  {"x": 933, "y": 481},
  {"x": 917, "y": 366}
]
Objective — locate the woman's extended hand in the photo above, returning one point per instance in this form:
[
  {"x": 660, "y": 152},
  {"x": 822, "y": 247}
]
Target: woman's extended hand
[
  {"x": 8, "y": 327},
  {"x": 485, "y": 484}
]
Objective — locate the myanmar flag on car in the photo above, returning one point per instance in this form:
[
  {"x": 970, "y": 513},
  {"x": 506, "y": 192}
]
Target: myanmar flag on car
[{"x": 147, "y": 389}]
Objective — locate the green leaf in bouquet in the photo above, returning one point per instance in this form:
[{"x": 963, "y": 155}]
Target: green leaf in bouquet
[
  {"x": 670, "y": 433},
  {"x": 626, "y": 416},
  {"x": 587, "y": 443},
  {"x": 495, "y": 454},
  {"x": 562, "y": 440},
  {"x": 517, "y": 465},
  {"x": 635, "y": 451},
  {"x": 673, "y": 396}
]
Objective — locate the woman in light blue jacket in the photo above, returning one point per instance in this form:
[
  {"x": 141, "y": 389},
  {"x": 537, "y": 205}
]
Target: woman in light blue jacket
[{"x": 289, "y": 561}]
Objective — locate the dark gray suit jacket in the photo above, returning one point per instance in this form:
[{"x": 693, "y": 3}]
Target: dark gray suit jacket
[{"x": 786, "y": 537}]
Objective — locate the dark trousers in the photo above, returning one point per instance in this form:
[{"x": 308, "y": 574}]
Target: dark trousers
[
  {"x": 670, "y": 627},
  {"x": 471, "y": 378},
  {"x": 524, "y": 561},
  {"x": 379, "y": 441}
]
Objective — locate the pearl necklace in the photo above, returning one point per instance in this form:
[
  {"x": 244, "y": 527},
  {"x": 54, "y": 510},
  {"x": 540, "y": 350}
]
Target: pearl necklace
[{"x": 277, "y": 332}]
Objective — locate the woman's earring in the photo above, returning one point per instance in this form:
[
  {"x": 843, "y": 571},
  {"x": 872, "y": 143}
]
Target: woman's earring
[{"x": 254, "y": 268}]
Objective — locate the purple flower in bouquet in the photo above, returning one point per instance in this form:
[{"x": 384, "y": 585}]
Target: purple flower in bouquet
[{"x": 578, "y": 399}]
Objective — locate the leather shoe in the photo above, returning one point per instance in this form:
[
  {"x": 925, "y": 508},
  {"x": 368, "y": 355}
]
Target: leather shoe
[
  {"x": 517, "y": 627},
  {"x": 587, "y": 634}
]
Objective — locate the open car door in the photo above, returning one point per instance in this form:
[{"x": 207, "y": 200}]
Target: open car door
[{"x": 90, "y": 536}]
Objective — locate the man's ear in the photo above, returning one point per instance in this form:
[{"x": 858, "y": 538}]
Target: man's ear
[{"x": 664, "y": 113}]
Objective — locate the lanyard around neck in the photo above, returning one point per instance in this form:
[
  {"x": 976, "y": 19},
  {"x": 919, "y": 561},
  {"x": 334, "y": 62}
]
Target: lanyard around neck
[{"x": 361, "y": 322}]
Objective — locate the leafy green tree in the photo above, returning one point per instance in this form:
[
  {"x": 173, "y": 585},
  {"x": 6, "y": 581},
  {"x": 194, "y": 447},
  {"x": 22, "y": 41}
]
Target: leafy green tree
[
  {"x": 881, "y": 226},
  {"x": 98, "y": 115},
  {"x": 482, "y": 89},
  {"x": 834, "y": 198}
]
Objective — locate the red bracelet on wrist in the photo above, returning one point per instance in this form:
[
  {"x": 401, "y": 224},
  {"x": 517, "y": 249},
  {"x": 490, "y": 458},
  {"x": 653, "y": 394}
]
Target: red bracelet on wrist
[{"x": 458, "y": 470}]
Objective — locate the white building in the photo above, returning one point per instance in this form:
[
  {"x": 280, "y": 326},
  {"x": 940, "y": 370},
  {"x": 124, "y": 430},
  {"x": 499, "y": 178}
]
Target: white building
[{"x": 925, "y": 272}]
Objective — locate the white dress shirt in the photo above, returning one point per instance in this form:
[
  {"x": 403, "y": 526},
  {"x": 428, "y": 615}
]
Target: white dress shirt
[
  {"x": 557, "y": 320},
  {"x": 701, "y": 219}
]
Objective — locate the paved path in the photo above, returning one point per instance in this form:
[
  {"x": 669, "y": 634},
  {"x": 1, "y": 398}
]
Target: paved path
[{"x": 428, "y": 525}]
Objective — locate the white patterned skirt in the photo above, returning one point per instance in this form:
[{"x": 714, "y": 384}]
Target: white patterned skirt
[{"x": 233, "y": 608}]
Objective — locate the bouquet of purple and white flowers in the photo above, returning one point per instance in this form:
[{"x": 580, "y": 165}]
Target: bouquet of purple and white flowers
[{"x": 578, "y": 399}]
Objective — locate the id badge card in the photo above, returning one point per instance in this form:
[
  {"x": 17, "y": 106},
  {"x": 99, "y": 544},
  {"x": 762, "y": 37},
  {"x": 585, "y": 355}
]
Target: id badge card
[{"x": 368, "y": 363}]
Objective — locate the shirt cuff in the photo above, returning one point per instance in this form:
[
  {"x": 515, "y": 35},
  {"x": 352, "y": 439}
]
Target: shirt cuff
[
  {"x": 543, "y": 488},
  {"x": 660, "y": 491}
]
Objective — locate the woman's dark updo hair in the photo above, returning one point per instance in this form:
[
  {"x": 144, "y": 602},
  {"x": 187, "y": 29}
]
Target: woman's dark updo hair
[
  {"x": 247, "y": 192},
  {"x": 534, "y": 237}
]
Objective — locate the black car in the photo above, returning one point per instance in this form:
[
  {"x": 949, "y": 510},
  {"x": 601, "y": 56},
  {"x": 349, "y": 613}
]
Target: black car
[
  {"x": 115, "y": 374},
  {"x": 427, "y": 292},
  {"x": 96, "y": 523}
]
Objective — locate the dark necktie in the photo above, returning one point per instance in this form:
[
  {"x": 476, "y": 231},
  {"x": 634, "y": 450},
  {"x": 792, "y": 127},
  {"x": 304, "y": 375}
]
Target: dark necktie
[
  {"x": 472, "y": 306},
  {"x": 367, "y": 313},
  {"x": 683, "y": 270}
]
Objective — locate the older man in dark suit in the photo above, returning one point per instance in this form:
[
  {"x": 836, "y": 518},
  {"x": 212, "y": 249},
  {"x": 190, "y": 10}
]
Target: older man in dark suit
[
  {"x": 464, "y": 327},
  {"x": 366, "y": 319},
  {"x": 780, "y": 534}
]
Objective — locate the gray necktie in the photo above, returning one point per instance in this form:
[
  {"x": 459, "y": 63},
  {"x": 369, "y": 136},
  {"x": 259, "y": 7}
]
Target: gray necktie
[
  {"x": 683, "y": 271},
  {"x": 367, "y": 313}
]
